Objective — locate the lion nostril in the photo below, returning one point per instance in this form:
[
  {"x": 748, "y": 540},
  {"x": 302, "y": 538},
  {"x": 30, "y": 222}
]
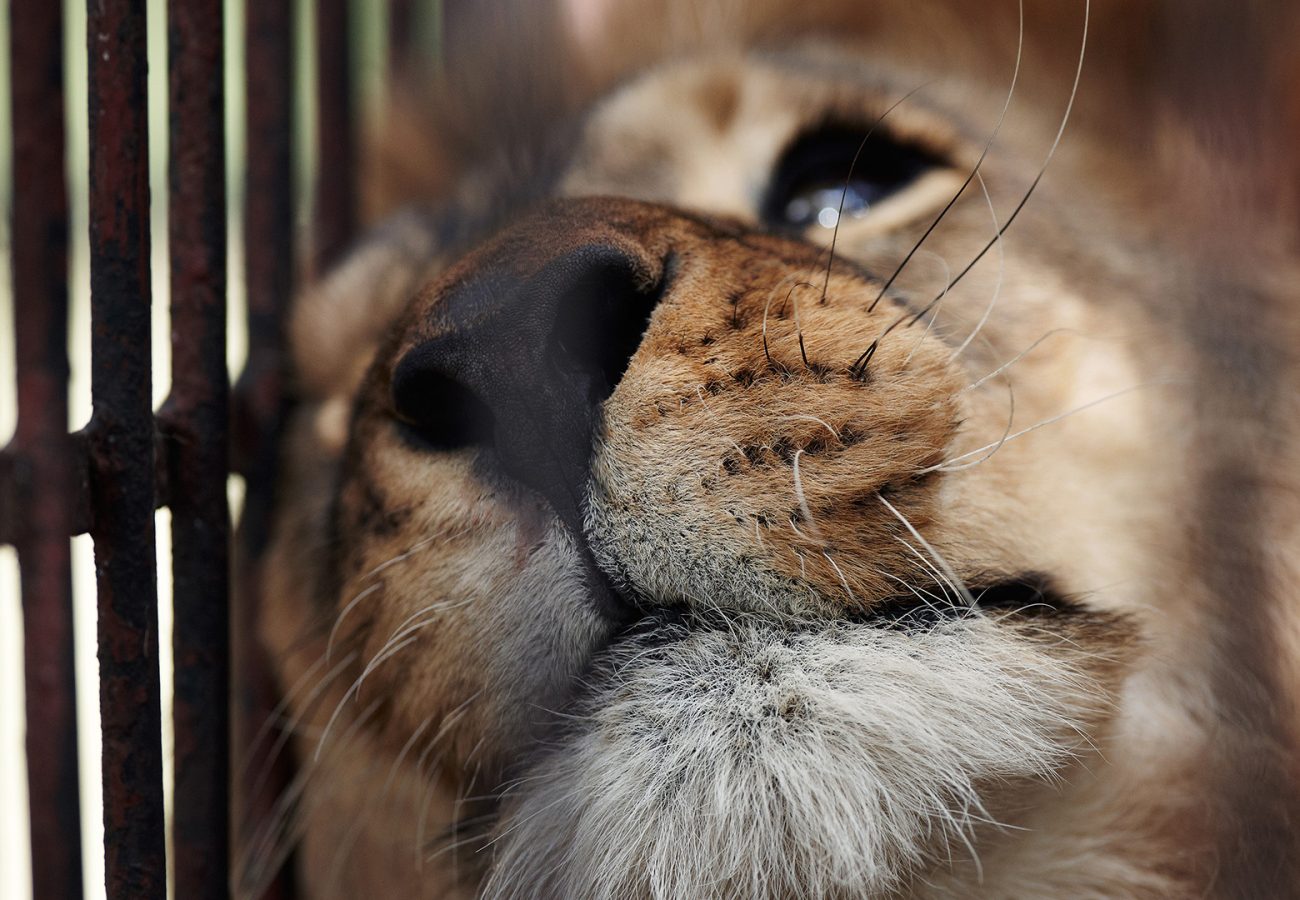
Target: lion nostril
[
  {"x": 520, "y": 354},
  {"x": 438, "y": 412},
  {"x": 600, "y": 320}
]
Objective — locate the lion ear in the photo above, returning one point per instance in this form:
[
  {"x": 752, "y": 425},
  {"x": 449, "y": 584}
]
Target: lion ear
[{"x": 337, "y": 323}]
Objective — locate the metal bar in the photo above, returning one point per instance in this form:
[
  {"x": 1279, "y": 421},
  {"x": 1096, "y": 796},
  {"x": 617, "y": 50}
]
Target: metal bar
[
  {"x": 259, "y": 395},
  {"x": 122, "y": 450},
  {"x": 403, "y": 37},
  {"x": 41, "y": 469},
  {"x": 11, "y": 518},
  {"x": 195, "y": 422},
  {"x": 268, "y": 222},
  {"x": 336, "y": 188}
]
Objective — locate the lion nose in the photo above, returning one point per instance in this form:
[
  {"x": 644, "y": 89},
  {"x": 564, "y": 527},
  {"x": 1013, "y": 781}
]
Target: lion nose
[{"x": 523, "y": 352}]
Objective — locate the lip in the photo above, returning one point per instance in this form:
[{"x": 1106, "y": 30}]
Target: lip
[
  {"x": 615, "y": 606},
  {"x": 1029, "y": 594},
  {"x": 611, "y": 603},
  {"x": 1025, "y": 594}
]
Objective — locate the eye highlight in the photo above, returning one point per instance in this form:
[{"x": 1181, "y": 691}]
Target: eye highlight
[{"x": 809, "y": 179}]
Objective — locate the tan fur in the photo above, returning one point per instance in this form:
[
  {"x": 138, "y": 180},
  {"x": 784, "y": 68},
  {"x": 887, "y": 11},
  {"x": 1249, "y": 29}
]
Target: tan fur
[{"x": 1108, "y": 398}]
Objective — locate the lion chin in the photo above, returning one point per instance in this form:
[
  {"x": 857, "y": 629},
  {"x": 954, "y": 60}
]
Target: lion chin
[{"x": 748, "y": 757}]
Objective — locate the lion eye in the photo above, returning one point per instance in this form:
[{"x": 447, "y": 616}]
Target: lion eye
[{"x": 816, "y": 181}]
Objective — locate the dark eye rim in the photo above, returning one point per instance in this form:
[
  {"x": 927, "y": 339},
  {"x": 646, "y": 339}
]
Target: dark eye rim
[{"x": 820, "y": 156}]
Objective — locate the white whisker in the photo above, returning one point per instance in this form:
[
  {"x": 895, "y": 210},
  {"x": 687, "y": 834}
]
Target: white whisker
[
  {"x": 1002, "y": 267},
  {"x": 805, "y": 417},
  {"x": 803, "y": 501},
  {"x": 934, "y": 554},
  {"x": 338, "y": 622},
  {"x": 1015, "y": 359},
  {"x": 938, "y": 306},
  {"x": 948, "y": 467}
]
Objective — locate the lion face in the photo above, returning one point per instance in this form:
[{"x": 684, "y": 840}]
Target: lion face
[{"x": 761, "y": 515}]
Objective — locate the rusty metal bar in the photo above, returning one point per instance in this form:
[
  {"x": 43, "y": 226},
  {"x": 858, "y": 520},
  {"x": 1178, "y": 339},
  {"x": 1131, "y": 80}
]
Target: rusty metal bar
[
  {"x": 195, "y": 421},
  {"x": 122, "y": 450},
  {"x": 40, "y": 467},
  {"x": 336, "y": 187},
  {"x": 260, "y": 393},
  {"x": 268, "y": 224}
]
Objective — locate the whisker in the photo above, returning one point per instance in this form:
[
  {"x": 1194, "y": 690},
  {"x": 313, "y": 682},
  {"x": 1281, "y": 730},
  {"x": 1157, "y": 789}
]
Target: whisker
[
  {"x": 859, "y": 366},
  {"x": 992, "y": 448},
  {"x": 945, "y": 582},
  {"x": 287, "y": 732},
  {"x": 935, "y": 555},
  {"x": 997, "y": 286},
  {"x": 1015, "y": 359},
  {"x": 1074, "y": 91},
  {"x": 840, "y": 572},
  {"x": 930, "y": 325},
  {"x": 848, "y": 177},
  {"x": 276, "y": 714},
  {"x": 449, "y": 722},
  {"x": 929, "y": 571},
  {"x": 338, "y": 622},
  {"x": 460, "y": 800},
  {"x": 403, "y": 636},
  {"x": 798, "y": 327},
  {"x": 927, "y": 598},
  {"x": 401, "y": 557},
  {"x": 345, "y": 847},
  {"x": 1011, "y": 90},
  {"x": 947, "y": 466},
  {"x": 523, "y": 821},
  {"x": 803, "y": 500},
  {"x": 271, "y": 845},
  {"x": 807, "y": 417}
]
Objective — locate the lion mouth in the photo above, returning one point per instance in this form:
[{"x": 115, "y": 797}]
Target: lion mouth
[
  {"x": 1027, "y": 594},
  {"x": 925, "y": 607}
]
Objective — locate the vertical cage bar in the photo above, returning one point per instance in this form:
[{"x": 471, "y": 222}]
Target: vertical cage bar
[
  {"x": 268, "y": 219},
  {"x": 402, "y": 37},
  {"x": 336, "y": 140},
  {"x": 195, "y": 423},
  {"x": 122, "y": 450},
  {"x": 259, "y": 395},
  {"x": 42, "y": 469}
]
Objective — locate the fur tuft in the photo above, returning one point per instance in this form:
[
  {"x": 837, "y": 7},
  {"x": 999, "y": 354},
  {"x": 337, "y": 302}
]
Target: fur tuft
[{"x": 750, "y": 761}]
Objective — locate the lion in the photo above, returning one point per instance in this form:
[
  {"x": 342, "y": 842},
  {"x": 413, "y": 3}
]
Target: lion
[{"x": 813, "y": 449}]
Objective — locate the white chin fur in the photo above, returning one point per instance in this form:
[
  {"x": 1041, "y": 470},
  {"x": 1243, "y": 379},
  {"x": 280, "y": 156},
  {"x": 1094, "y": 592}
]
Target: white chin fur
[{"x": 750, "y": 760}]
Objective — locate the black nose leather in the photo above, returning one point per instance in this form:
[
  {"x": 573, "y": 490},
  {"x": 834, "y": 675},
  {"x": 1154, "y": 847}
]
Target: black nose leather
[{"x": 522, "y": 363}]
